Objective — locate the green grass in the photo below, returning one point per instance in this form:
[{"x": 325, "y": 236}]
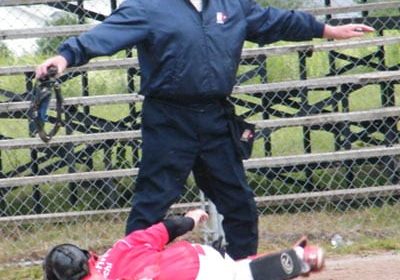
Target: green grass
[
  {"x": 21, "y": 273},
  {"x": 364, "y": 230}
]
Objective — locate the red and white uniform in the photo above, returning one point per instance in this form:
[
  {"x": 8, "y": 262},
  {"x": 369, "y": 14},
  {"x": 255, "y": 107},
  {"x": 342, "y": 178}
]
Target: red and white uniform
[{"x": 142, "y": 255}]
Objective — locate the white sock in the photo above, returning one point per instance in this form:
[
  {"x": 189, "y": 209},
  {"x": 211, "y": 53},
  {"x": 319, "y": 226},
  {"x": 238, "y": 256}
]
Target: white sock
[{"x": 299, "y": 252}]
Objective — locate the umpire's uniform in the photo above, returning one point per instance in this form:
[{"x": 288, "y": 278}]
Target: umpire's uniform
[{"x": 188, "y": 65}]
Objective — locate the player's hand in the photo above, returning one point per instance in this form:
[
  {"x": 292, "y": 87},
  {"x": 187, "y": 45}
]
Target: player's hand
[
  {"x": 198, "y": 216},
  {"x": 346, "y": 31},
  {"x": 58, "y": 61}
]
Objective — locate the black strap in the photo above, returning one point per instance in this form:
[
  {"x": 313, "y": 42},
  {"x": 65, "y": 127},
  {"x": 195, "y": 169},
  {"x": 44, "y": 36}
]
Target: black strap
[{"x": 42, "y": 92}]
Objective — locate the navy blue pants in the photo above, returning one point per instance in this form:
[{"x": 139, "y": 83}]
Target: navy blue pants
[{"x": 179, "y": 138}]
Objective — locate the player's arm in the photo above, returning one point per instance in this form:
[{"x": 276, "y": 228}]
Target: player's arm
[
  {"x": 160, "y": 234},
  {"x": 177, "y": 226}
]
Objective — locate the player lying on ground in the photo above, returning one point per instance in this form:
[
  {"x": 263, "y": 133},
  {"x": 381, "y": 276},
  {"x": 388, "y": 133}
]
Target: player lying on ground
[{"x": 143, "y": 255}]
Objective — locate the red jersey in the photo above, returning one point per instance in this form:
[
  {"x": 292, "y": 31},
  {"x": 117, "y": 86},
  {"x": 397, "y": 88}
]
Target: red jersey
[{"x": 142, "y": 256}]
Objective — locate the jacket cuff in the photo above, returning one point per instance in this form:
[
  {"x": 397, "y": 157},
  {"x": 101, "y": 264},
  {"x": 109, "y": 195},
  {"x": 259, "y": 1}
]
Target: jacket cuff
[
  {"x": 318, "y": 29},
  {"x": 68, "y": 55}
]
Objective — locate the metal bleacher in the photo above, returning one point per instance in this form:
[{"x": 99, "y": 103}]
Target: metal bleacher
[{"x": 322, "y": 115}]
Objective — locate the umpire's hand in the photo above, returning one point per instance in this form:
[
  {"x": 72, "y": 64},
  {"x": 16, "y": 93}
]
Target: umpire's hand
[
  {"x": 58, "y": 61},
  {"x": 198, "y": 216},
  {"x": 346, "y": 31}
]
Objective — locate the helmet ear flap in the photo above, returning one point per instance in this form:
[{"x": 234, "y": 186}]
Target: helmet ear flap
[
  {"x": 85, "y": 265},
  {"x": 47, "y": 267}
]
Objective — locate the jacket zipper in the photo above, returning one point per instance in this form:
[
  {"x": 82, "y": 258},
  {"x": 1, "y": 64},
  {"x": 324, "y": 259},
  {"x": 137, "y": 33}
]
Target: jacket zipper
[{"x": 200, "y": 16}]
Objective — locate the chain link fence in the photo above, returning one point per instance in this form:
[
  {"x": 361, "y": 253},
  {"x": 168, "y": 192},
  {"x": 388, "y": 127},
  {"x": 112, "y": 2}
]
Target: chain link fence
[{"x": 325, "y": 160}]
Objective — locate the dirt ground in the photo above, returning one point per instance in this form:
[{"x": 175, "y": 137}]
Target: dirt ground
[{"x": 384, "y": 266}]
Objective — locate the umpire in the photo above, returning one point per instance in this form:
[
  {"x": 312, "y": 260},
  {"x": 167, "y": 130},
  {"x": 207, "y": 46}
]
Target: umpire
[{"x": 189, "y": 51}]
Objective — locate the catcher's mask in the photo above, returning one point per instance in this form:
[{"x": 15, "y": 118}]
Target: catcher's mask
[
  {"x": 66, "y": 262},
  {"x": 41, "y": 95}
]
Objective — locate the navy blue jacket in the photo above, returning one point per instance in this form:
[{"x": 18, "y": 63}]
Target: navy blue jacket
[{"x": 186, "y": 53}]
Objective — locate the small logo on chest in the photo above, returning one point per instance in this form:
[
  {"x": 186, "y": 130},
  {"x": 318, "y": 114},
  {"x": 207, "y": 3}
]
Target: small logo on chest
[{"x": 221, "y": 18}]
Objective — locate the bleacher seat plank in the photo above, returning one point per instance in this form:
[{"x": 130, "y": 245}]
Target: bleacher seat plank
[
  {"x": 274, "y": 200},
  {"x": 328, "y": 196},
  {"x": 315, "y": 83},
  {"x": 254, "y": 163},
  {"x": 107, "y": 64},
  {"x": 320, "y": 119},
  {"x": 338, "y": 156},
  {"x": 76, "y": 101},
  {"x": 367, "y": 7},
  {"x": 319, "y": 47},
  {"x": 183, "y": 207},
  {"x": 320, "y": 83},
  {"x": 315, "y": 11},
  {"x": 368, "y": 115},
  {"x": 5, "y": 3},
  {"x": 45, "y": 32},
  {"x": 24, "y": 143},
  {"x": 68, "y": 177},
  {"x": 104, "y": 64}
]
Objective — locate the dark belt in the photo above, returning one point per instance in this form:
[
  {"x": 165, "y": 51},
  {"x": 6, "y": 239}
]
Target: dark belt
[{"x": 190, "y": 101}]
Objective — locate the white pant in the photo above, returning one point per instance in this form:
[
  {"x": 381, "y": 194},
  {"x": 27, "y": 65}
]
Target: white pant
[{"x": 214, "y": 266}]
